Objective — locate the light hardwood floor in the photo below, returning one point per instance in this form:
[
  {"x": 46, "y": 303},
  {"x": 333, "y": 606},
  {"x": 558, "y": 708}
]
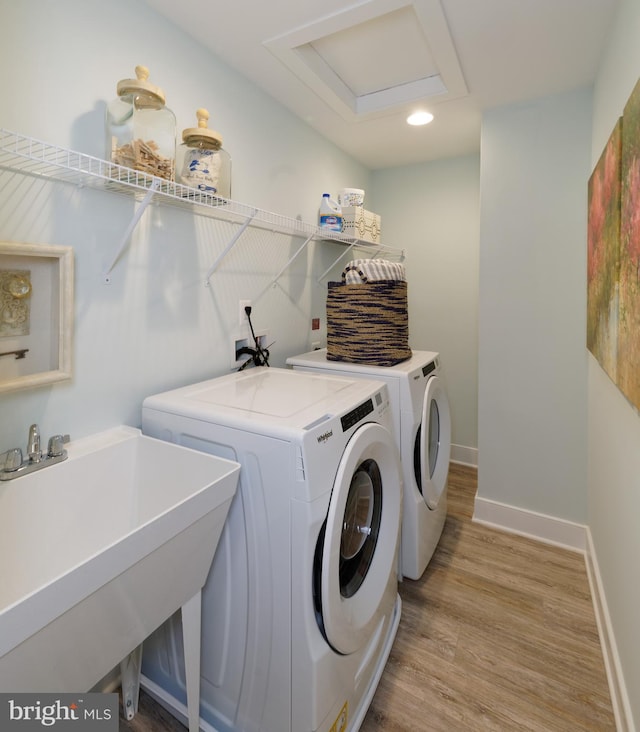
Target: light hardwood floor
[{"x": 498, "y": 635}]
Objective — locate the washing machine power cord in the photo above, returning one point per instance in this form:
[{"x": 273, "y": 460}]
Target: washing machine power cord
[{"x": 259, "y": 356}]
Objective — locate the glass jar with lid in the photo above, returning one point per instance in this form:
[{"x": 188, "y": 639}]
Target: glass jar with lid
[
  {"x": 141, "y": 129},
  {"x": 206, "y": 164}
]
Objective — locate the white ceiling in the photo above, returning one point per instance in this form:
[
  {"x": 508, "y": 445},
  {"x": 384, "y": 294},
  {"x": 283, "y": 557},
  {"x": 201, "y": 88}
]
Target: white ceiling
[{"x": 355, "y": 70}]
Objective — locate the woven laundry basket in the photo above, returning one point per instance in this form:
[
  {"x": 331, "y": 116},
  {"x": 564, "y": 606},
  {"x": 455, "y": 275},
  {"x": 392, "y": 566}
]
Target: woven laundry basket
[{"x": 368, "y": 323}]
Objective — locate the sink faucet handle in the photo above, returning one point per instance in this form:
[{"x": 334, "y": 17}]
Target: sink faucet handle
[
  {"x": 33, "y": 444},
  {"x": 12, "y": 459},
  {"x": 56, "y": 445}
]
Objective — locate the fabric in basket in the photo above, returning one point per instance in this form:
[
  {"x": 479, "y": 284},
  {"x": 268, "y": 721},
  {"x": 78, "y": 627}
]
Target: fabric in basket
[
  {"x": 368, "y": 323},
  {"x": 372, "y": 270}
]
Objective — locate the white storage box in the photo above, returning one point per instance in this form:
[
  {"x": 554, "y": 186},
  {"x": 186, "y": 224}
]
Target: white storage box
[{"x": 361, "y": 224}]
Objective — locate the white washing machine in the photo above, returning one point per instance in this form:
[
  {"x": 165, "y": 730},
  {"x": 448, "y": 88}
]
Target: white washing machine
[
  {"x": 301, "y": 606},
  {"x": 422, "y": 427}
]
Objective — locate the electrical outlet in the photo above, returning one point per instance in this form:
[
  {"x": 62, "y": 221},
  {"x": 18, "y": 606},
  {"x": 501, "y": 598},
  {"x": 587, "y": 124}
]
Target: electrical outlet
[{"x": 242, "y": 316}]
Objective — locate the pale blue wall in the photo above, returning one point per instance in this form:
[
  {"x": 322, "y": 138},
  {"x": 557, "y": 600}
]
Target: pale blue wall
[
  {"x": 532, "y": 361},
  {"x": 432, "y": 211},
  {"x": 614, "y": 424},
  {"x": 156, "y": 325}
]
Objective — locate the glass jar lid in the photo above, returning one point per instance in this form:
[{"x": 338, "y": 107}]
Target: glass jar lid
[
  {"x": 140, "y": 84},
  {"x": 202, "y": 135}
]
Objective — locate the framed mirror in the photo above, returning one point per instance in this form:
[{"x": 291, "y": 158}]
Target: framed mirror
[{"x": 36, "y": 314}]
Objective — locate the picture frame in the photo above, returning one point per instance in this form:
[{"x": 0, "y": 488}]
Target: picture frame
[{"x": 36, "y": 315}]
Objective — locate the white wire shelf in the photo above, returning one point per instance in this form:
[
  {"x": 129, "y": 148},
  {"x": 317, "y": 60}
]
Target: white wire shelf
[{"x": 39, "y": 159}]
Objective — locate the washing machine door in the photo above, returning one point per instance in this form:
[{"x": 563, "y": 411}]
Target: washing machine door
[
  {"x": 432, "y": 448},
  {"x": 358, "y": 568}
]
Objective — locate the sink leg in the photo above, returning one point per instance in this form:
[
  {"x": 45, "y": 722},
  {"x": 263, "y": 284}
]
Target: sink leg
[
  {"x": 191, "y": 620},
  {"x": 130, "y": 678}
]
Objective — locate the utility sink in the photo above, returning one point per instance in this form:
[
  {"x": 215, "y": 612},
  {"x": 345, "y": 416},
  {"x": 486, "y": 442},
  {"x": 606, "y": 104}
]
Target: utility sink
[{"x": 97, "y": 551}]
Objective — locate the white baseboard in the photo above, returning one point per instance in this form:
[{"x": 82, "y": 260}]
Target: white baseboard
[
  {"x": 464, "y": 455},
  {"x": 617, "y": 687},
  {"x": 539, "y": 526}
]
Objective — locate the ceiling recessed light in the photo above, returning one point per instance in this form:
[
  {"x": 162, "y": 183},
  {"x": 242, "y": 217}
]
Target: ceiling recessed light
[{"x": 420, "y": 118}]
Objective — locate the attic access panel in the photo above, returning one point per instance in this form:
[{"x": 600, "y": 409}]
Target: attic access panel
[{"x": 375, "y": 56}]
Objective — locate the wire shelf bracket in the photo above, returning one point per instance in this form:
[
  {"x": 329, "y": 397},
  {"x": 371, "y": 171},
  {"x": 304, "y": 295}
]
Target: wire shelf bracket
[
  {"x": 340, "y": 258},
  {"x": 274, "y": 282},
  {"x": 131, "y": 228},
  {"x": 229, "y": 246}
]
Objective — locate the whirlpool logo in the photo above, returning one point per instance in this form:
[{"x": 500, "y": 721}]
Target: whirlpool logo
[
  {"x": 28, "y": 712},
  {"x": 325, "y": 436}
]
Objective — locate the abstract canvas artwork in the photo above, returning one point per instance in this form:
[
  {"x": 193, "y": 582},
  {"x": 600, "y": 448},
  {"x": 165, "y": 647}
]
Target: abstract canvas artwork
[
  {"x": 628, "y": 370},
  {"x": 613, "y": 254},
  {"x": 603, "y": 254}
]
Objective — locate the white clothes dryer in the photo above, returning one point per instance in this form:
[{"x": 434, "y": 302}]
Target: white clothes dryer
[
  {"x": 301, "y": 605},
  {"x": 422, "y": 428}
]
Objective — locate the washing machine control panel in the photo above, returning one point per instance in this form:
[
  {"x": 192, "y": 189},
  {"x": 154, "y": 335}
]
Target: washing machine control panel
[
  {"x": 430, "y": 367},
  {"x": 352, "y": 418}
]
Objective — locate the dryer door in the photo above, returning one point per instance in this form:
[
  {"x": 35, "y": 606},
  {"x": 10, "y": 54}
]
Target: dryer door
[
  {"x": 432, "y": 448},
  {"x": 359, "y": 554}
]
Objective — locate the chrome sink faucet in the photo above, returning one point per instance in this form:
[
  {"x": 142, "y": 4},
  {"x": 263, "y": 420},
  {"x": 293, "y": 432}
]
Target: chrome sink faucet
[
  {"x": 12, "y": 464},
  {"x": 33, "y": 444}
]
